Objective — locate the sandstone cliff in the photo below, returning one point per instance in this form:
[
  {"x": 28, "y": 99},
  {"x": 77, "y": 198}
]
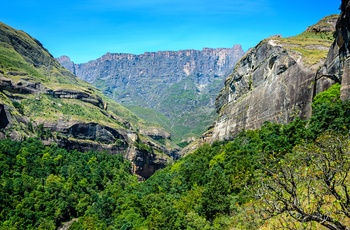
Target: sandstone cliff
[
  {"x": 179, "y": 86},
  {"x": 39, "y": 98},
  {"x": 275, "y": 81}
]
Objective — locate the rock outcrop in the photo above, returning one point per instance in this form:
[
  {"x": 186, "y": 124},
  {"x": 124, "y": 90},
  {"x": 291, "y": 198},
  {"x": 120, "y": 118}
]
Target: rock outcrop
[
  {"x": 267, "y": 85},
  {"x": 156, "y": 133},
  {"x": 75, "y": 94},
  {"x": 275, "y": 81},
  {"x": 67, "y": 63},
  {"x": 338, "y": 61},
  {"x": 179, "y": 85},
  {"x": 337, "y": 65}
]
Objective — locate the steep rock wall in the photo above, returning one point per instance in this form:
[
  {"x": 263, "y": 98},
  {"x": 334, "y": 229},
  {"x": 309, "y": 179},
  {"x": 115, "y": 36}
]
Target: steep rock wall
[
  {"x": 337, "y": 65},
  {"x": 275, "y": 81},
  {"x": 342, "y": 42},
  {"x": 268, "y": 84}
]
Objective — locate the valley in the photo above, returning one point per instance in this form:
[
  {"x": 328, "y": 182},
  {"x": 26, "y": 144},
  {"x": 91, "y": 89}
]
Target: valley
[{"x": 275, "y": 155}]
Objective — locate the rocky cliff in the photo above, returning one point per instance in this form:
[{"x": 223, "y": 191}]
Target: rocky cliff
[
  {"x": 337, "y": 64},
  {"x": 275, "y": 81},
  {"x": 39, "y": 98},
  {"x": 179, "y": 86}
]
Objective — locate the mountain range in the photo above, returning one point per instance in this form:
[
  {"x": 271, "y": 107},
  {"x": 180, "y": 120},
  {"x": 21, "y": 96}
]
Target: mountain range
[{"x": 175, "y": 89}]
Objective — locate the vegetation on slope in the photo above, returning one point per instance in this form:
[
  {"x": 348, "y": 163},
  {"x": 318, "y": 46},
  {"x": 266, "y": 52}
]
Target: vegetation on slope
[
  {"x": 182, "y": 110},
  {"x": 243, "y": 183},
  {"x": 43, "y": 186},
  {"x": 39, "y": 66}
]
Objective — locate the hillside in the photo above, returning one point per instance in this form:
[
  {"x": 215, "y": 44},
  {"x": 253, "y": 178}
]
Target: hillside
[
  {"x": 40, "y": 98},
  {"x": 175, "y": 89}
]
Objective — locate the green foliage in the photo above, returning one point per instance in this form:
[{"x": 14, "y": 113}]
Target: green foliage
[
  {"x": 143, "y": 147},
  {"x": 183, "y": 144},
  {"x": 212, "y": 188},
  {"x": 327, "y": 97},
  {"x": 18, "y": 106},
  {"x": 309, "y": 184},
  {"x": 329, "y": 112},
  {"x": 209, "y": 188},
  {"x": 43, "y": 186},
  {"x": 312, "y": 45}
]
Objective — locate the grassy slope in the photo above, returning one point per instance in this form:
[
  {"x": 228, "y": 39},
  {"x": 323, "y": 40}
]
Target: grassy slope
[
  {"x": 313, "y": 46},
  {"x": 37, "y": 65}
]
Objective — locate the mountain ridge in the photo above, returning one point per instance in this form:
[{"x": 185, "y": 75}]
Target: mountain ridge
[{"x": 154, "y": 80}]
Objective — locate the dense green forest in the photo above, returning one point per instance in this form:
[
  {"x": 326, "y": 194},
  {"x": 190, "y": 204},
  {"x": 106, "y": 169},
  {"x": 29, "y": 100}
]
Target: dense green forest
[{"x": 293, "y": 175}]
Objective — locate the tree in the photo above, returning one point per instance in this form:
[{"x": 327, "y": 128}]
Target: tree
[
  {"x": 309, "y": 185},
  {"x": 215, "y": 195}
]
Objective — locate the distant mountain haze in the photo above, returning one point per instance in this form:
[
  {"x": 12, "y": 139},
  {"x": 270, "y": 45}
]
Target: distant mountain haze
[{"x": 176, "y": 89}]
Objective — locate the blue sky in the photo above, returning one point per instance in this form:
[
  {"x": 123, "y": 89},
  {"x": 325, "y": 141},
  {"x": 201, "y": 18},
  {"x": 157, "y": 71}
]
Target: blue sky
[{"x": 87, "y": 29}]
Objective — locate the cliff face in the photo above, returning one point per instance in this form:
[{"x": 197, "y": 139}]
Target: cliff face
[
  {"x": 171, "y": 65},
  {"x": 337, "y": 64},
  {"x": 274, "y": 81},
  {"x": 39, "y": 98},
  {"x": 342, "y": 43},
  {"x": 180, "y": 85}
]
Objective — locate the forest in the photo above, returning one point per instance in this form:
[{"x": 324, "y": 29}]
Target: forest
[{"x": 293, "y": 175}]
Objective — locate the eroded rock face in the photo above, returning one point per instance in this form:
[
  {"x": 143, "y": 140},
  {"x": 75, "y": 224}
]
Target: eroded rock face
[
  {"x": 145, "y": 164},
  {"x": 93, "y": 136},
  {"x": 156, "y": 133},
  {"x": 274, "y": 81},
  {"x": 170, "y": 65},
  {"x": 74, "y": 94},
  {"x": 268, "y": 84},
  {"x": 67, "y": 63},
  {"x": 342, "y": 42},
  {"x": 330, "y": 72},
  {"x": 337, "y": 65},
  {"x": 22, "y": 87}
]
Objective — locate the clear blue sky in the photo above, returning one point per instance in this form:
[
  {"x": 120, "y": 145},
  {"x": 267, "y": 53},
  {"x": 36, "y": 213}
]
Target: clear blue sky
[{"x": 87, "y": 29}]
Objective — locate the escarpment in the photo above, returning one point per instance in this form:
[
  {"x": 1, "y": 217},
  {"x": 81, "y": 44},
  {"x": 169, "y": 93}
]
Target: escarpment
[
  {"x": 176, "y": 89},
  {"x": 275, "y": 81}
]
